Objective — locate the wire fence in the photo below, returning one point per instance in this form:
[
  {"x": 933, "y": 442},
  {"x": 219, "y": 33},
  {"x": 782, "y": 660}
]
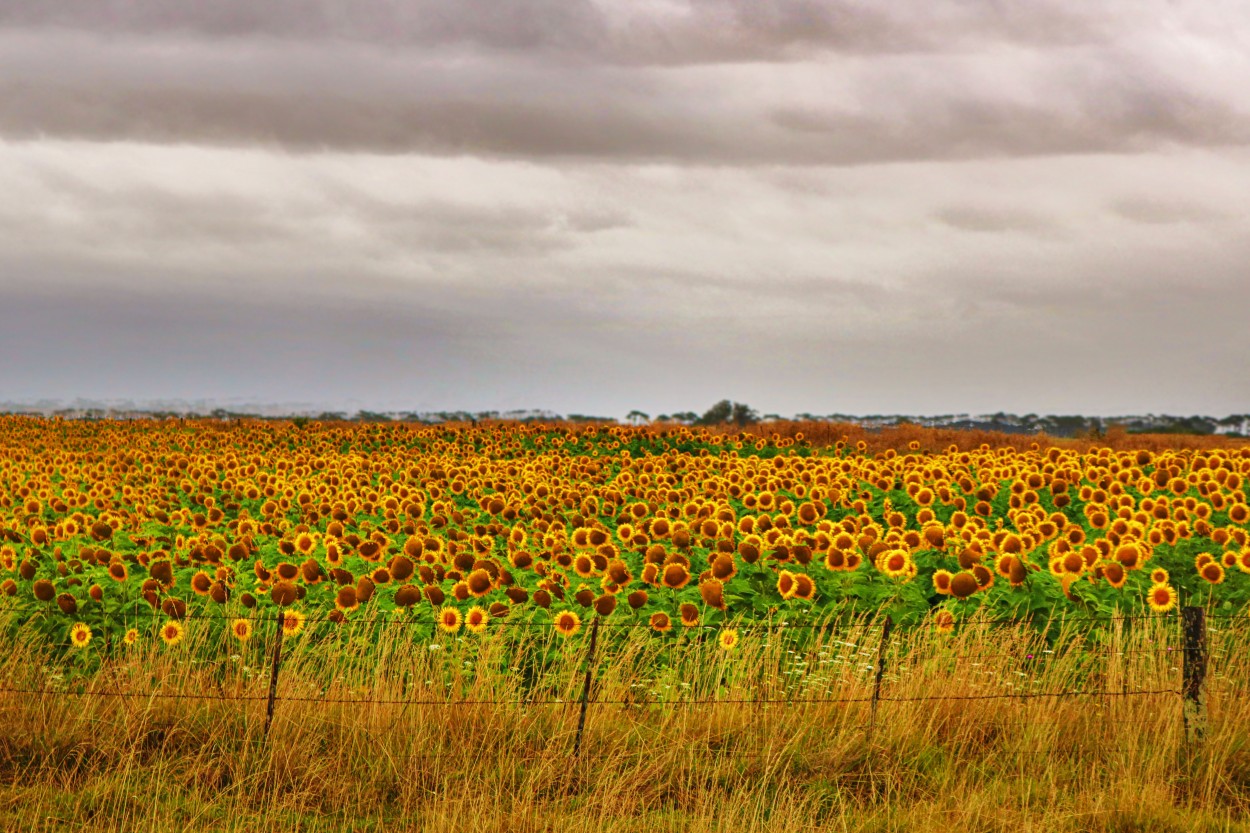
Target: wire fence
[
  {"x": 779, "y": 623},
  {"x": 1190, "y": 688}
]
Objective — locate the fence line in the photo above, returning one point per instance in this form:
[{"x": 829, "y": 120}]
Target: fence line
[
  {"x": 833, "y": 623},
  {"x": 1192, "y": 689},
  {"x": 640, "y": 701}
]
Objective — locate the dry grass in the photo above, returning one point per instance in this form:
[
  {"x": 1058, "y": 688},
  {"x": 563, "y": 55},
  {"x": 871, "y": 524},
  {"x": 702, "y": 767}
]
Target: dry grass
[{"x": 393, "y": 760}]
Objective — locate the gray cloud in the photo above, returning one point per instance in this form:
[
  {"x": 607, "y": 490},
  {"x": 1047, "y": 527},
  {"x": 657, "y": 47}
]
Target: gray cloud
[
  {"x": 977, "y": 344},
  {"x": 992, "y": 219},
  {"x": 590, "y": 206},
  {"x": 1154, "y": 210},
  {"x": 169, "y": 73},
  {"x": 637, "y": 32}
]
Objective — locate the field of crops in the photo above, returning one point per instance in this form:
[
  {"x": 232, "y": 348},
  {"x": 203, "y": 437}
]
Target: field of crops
[
  {"x": 116, "y": 533},
  {"x": 297, "y": 626}
]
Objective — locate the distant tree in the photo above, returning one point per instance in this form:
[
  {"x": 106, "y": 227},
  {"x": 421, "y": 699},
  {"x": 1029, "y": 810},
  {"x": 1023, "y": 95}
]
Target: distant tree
[
  {"x": 371, "y": 416},
  {"x": 685, "y": 416},
  {"x": 744, "y": 414},
  {"x": 637, "y": 417},
  {"x": 725, "y": 411},
  {"x": 718, "y": 414},
  {"x": 331, "y": 416}
]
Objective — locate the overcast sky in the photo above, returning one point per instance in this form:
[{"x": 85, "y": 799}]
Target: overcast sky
[{"x": 920, "y": 206}]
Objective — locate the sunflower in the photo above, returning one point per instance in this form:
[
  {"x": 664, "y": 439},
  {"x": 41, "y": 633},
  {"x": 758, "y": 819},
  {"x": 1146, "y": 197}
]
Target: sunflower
[
  {"x": 689, "y": 615},
  {"x": 1072, "y": 564},
  {"x": 1162, "y": 598},
  {"x": 118, "y": 571},
  {"x": 963, "y": 585},
  {"x": 895, "y": 563},
  {"x": 983, "y": 575},
  {"x": 79, "y": 635},
  {"x": 724, "y": 567},
  {"x": 346, "y": 600},
  {"x": 241, "y": 629},
  {"x": 1159, "y": 576},
  {"x": 1003, "y": 564},
  {"x": 1212, "y": 572},
  {"x": 661, "y": 622},
  {"x": 567, "y": 623},
  {"x": 201, "y": 582},
  {"x": 476, "y": 619},
  {"x": 292, "y": 622},
  {"x": 283, "y": 593},
  {"x": 479, "y": 582},
  {"x": 944, "y": 621},
  {"x": 1130, "y": 555},
  {"x": 712, "y": 591},
  {"x": 131, "y": 637},
  {"x": 804, "y": 587},
  {"x": 44, "y": 590},
  {"x": 584, "y": 566},
  {"x": 942, "y": 581},
  {"x": 618, "y": 572},
  {"x": 605, "y": 604},
  {"x": 786, "y": 584},
  {"x": 1115, "y": 574},
  {"x": 333, "y": 554},
  {"x": 728, "y": 639},
  {"x": 172, "y": 632},
  {"x": 676, "y": 576},
  {"x": 449, "y": 620},
  {"x": 407, "y": 596}
]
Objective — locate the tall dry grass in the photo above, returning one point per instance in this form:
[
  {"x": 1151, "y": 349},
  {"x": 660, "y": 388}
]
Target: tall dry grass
[{"x": 778, "y": 735}]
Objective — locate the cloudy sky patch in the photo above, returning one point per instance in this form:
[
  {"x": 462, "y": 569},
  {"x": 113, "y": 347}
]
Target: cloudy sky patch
[{"x": 593, "y": 207}]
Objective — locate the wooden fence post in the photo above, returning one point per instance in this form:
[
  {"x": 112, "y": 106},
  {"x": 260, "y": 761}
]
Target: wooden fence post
[
  {"x": 273, "y": 671},
  {"x": 886, "y": 627},
  {"x": 590, "y": 667},
  {"x": 1194, "y": 673}
]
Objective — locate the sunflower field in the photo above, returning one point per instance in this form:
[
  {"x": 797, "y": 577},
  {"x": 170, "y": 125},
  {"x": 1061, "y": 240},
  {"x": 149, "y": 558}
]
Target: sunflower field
[{"x": 113, "y": 533}]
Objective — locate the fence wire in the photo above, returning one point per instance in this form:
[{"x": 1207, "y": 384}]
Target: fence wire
[{"x": 875, "y": 692}]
